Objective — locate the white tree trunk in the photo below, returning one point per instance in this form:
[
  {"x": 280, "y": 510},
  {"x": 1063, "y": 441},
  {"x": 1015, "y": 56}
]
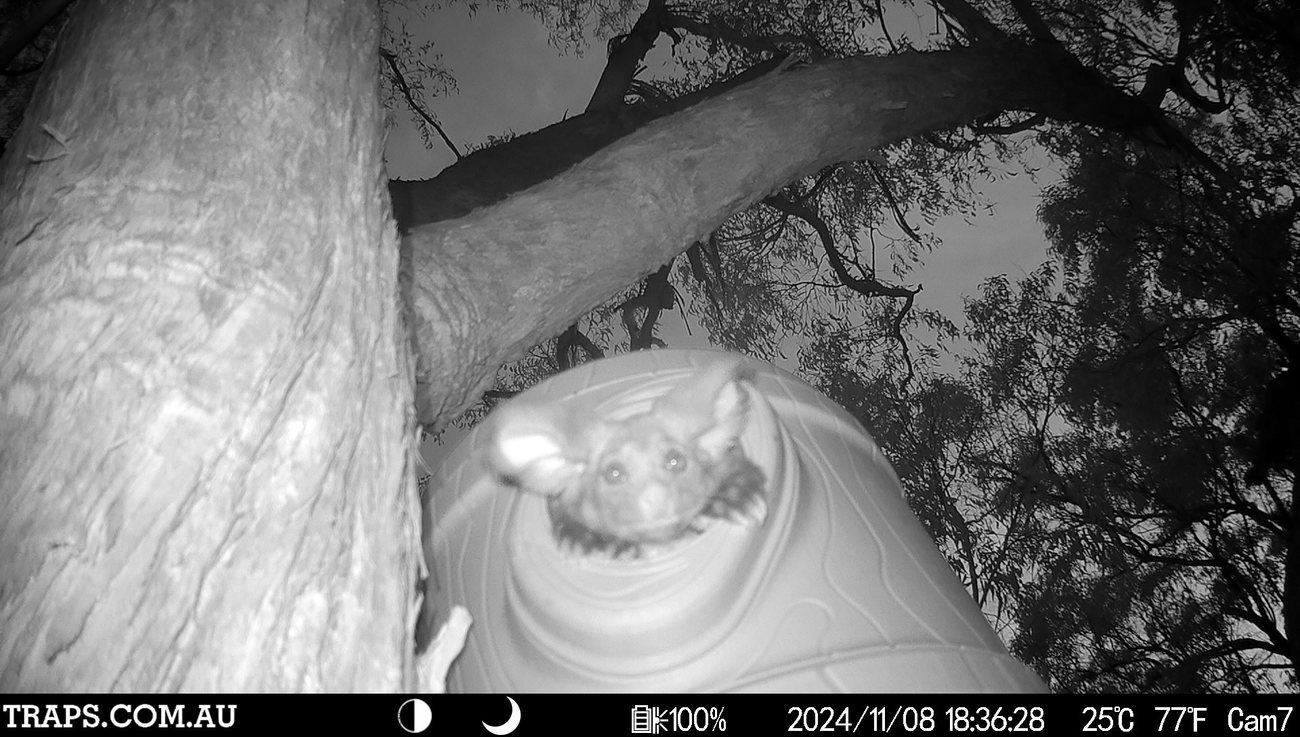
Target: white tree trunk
[{"x": 205, "y": 388}]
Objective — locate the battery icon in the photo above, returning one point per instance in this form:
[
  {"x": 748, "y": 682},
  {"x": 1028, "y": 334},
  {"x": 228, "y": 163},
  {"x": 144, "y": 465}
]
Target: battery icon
[{"x": 645, "y": 719}]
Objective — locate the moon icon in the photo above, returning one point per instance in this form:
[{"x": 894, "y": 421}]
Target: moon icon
[{"x": 510, "y": 724}]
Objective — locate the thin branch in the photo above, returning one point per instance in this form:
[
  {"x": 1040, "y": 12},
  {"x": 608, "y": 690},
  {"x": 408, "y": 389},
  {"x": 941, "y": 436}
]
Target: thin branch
[
  {"x": 1028, "y": 123},
  {"x": 868, "y": 286},
  {"x": 400, "y": 80},
  {"x": 893, "y": 203},
  {"x": 1033, "y": 20},
  {"x": 884, "y": 27},
  {"x": 972, "y": 21}
]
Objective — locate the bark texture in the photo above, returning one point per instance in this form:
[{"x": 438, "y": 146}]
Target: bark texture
[{"x": 204, "y": 379}]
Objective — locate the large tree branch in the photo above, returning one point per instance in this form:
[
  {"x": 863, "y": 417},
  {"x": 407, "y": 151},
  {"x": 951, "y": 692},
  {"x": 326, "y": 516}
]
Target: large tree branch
[
  {"x": 560, "y": 248},
  {"x": 489, "y": 175}
]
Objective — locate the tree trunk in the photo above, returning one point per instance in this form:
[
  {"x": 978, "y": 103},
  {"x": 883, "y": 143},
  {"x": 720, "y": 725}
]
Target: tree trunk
[{"x": 205, "y": 385}]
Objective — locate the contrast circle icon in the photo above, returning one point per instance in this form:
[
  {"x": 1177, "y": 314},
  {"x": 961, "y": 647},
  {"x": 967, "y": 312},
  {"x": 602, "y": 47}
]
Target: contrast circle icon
[{"x": 414, "y": 715}]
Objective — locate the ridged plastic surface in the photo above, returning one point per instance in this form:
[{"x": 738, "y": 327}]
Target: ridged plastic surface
[{"x": 841, "y": 590}]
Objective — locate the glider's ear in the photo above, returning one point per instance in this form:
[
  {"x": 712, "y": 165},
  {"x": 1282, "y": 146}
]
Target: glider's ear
[
  {"x": 710, "y": 406},
  {"x": 533, "y": 449}
]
